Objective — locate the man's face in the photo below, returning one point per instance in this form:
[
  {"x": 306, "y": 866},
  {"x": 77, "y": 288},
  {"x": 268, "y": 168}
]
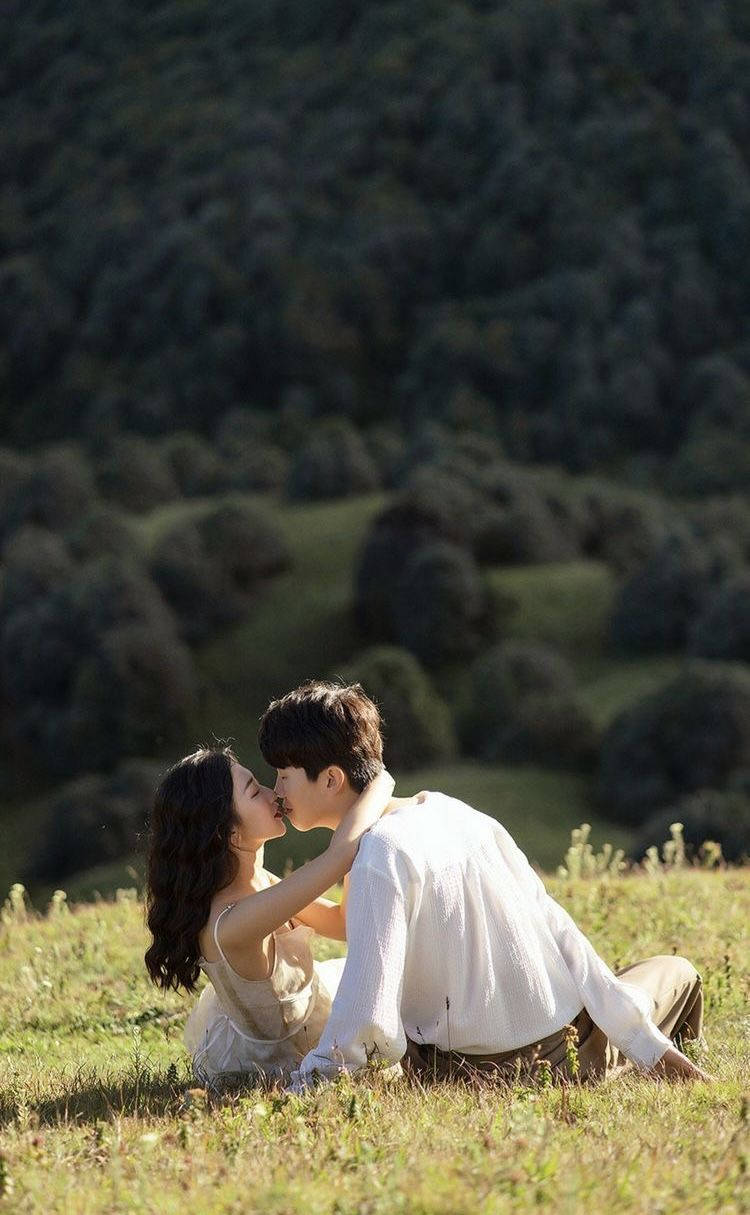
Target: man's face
[{"x": 307, "y": 803}]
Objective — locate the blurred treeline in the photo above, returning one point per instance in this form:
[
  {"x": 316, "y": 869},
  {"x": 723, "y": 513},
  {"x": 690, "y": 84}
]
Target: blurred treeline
[
  {"x": 531, "y": 217},
  {"x": 257, "y": 255}
]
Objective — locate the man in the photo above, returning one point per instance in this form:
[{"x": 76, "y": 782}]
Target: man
[{"x": 457, "y": 957}]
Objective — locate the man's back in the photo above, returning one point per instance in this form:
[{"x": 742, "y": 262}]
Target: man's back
[
  {"x": 480, "y": 973},
  {"x": 453, "y": 941}
]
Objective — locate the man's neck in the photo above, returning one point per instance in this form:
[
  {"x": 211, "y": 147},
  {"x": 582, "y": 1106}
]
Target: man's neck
[{"x": 338, "y": 809}]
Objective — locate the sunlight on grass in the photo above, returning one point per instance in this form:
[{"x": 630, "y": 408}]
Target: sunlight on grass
[
  {"x": 99, "y": 1115},
  {"x": 566, "y": 604}
]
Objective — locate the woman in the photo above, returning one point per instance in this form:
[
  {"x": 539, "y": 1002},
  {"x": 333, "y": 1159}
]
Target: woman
[{"x": 212, "y": 906}]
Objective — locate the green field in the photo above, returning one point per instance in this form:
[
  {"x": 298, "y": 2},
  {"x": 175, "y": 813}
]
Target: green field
[
  {"x": 98, "y": 1114},
  {"x": 301, "y": 625}
]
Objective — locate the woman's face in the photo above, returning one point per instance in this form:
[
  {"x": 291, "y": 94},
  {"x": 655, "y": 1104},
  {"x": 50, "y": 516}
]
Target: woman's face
[{"x": 260, "y": 817}]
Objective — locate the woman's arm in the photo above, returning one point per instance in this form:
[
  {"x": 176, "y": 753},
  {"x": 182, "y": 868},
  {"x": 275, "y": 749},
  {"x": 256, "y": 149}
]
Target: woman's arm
[
  {"x": 258, "y": 915},
  {"x": 325, "y": 916}
]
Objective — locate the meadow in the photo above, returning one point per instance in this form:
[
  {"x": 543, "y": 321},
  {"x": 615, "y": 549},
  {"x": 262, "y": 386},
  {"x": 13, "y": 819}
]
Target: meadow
[
  {"x": 98, "y": 1112},
  {"x": 302, "y": 625}
]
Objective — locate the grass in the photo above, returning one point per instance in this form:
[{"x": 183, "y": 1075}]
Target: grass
[
  {"x": 565, "y": 604},
  {"x": 301, "y": 625},
  {"x": 98, "y": 1114}
]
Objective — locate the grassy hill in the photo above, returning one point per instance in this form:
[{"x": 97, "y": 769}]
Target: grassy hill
[
  {"x": 97, "y": 1112},
  {"x": 301, "y": 626}
]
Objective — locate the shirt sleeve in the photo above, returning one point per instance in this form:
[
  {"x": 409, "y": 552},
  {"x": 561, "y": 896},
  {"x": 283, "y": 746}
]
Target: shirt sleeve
[
  {"x": 622, "y": 1010},
  {"x": 365, "y": 1022}
]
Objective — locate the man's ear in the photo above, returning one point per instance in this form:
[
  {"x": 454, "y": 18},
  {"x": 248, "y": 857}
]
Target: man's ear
[{"x": 335, "y": 779}]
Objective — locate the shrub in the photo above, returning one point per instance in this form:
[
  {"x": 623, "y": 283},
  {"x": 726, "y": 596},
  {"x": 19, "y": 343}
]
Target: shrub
[
  {"x": 387, "y": 449},
  {"x": 417, "y": 722},
  {"x": 195, "y": 464},
  {"x": 55, "y": 491},
  {"x": 693, "y": 733},
  {"x": 93, "y": 669},
  {"x": 708, "y": 814},
  {"x": 522, "y": 708},
  {"x": 431, "y": 508},
  {"x": 250, "y": 461},
  {"x": 725, "y": 523},
  {"x": 95, "y": 819},
  {"x": 103, "y": 531},
  {"x": 620, "y": 529},
  {"x": 208, "y": 569},
  {"x": 332, "y": 463},
  {"x": 36, "y": 562},
  {"x": 723, "y": 628},
  {"x": 135, "y": 474},
  {"x": 710, "y": 462},
  {"x": 442, "y": 607},
  {"x": 525, "y": 532},
  {"x": 655, "y": 607},
  {"x": 132, "y": 694},
  {"x": 14, "y": 469}
]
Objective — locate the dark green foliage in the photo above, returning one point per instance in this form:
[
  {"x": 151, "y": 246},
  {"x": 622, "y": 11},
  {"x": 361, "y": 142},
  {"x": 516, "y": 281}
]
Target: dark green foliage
[
  {"x": 417, "y": 722},
  {"x": 442, "y": 609},
  {"x": 721, "y": 815},
  {"x": 694, "y": 733},
  {"x": 250, "y": 461},
  {"x": 195, "y": 463},
  {"x": 724, "y": 522},
  {"x": 723, "y": 628},
  {"x": 52, "y": 491},
  {"x": 209, "y": 568},
  {"x": 387, "y": 450},
  {"x": 656, "y": 606},
  {"x": 711, "y": 462},
  {"x": 13, "y": 471},
  {"x": 135, "y": 474},
  {"x": 522, "y": 708},
  {"x": 531, "y": 220},
  {"x": 100, "y": 532},
  {"x": 95, "y": 819},
  {"x": 620, "y": 528},
  {"x": 432, "y": 508},
  {"x": 37, "y": 562},
  {"x": 332, "y": 462},
  {"x": 91, "y": 666}
]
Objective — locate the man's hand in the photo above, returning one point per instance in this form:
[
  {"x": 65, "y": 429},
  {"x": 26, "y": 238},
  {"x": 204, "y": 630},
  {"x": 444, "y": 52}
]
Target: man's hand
[{"x": 673, "y": 1065}]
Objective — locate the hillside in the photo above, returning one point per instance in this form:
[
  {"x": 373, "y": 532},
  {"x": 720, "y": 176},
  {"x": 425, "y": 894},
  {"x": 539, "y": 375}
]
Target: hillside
[
  {"x": 98, "y": 1114},
  {"x": 301, "y": 624}
]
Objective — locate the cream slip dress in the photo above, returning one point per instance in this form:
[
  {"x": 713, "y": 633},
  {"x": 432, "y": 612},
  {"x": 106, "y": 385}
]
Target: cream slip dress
[{"x": 263, "y": 1027}]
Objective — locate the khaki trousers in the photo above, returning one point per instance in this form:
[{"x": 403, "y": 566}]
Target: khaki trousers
[{"x": 675, "y": 989}]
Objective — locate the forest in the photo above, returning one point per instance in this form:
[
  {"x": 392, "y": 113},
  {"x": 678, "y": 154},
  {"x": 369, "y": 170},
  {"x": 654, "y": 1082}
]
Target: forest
[{"x": 402, "y": 343}]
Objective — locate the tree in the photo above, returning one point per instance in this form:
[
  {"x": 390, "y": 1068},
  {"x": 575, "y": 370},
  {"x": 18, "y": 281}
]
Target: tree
[
  {"x": 722, "y": 630},
  {"x": 693, "y": 733},
  {"x": 417, "y": 724},
  {"x": 443, "y": 610},
  {"x": 522, "y": 708},
  {"x": 333, "y": 462},
  {"x": 656, "y": 606},
  {"x": 209, "y": 568},
  {"x": 721, "y": 815}
]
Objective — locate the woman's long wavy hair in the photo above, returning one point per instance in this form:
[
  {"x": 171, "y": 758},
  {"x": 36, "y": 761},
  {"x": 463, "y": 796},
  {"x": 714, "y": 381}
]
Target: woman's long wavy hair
[{"x": 190, "y": 858}]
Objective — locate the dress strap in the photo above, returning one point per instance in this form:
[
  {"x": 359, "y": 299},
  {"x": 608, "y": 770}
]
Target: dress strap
[{"x": 216, "y": 932}]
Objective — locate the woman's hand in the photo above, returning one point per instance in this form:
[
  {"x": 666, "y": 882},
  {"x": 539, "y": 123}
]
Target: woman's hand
[{"x": 366, "y": 811}]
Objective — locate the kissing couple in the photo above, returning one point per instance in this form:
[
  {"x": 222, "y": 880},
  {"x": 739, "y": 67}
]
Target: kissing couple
[{"x": 458, "y": 960}]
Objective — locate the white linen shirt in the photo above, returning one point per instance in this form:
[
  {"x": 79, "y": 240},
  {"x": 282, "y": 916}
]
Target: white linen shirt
[{"x": 454, "y": 940}]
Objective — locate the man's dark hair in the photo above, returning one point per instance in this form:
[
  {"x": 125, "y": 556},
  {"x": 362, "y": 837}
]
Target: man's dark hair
[{"x": 323, "y": 723}]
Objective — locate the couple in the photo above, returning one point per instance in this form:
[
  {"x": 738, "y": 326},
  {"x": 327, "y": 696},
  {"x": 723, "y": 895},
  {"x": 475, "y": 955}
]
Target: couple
[{"x": 458, "y": 960}]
